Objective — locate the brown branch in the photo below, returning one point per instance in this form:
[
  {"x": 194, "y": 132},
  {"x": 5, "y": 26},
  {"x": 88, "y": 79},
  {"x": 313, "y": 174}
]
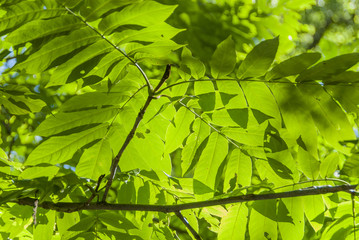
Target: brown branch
[
  {"x": 34, "y": 214},
  {"x": 72, "y": 207},
  {"x": 132, "y": 132},
  {"x": 124, "y": 146},
  {"x": 188, "y": 226}
]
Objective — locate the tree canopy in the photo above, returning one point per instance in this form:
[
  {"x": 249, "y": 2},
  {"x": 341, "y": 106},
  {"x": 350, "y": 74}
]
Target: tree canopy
[{"x": 191, "y": 119}]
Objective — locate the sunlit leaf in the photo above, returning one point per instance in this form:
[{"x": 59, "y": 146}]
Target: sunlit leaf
[
  {"x": 262, "y": 220},
  {"x": 210, "y": 160},
  {"x": 36, "y": 172},
  {"x": 61, "y": 148},
  {"x": 330, "y": 67},
  {"x": 177, "y": 132},
  {"x": 145, "y": 13},
  {"x": 223, "y": 59},
  {"x": 233, "y": 225},
  {"x": 95, "y": 160},
  {"x": 259, "y": 59},
  {"x": 293, "y": 66},
  {"x": 64, "y": 121}
]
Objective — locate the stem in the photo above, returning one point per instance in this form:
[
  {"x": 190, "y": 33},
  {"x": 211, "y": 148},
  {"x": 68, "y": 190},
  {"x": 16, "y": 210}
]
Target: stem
[
  {"x": 133, "y": 130},
  {"x": 124, "y": 146},
  {"x": 188, "y": 226},
  {"x": 349, "y": 84},
  {"x": 72, "y": 207}
]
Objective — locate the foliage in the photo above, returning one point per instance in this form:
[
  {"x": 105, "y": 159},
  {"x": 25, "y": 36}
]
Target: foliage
[{"x": 111, "y": 109}]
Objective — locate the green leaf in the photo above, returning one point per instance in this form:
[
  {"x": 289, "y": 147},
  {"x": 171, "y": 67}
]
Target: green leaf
[
  {"x": 351, "y": 166},
  {"x": 37, "y": 172},
  {"x": 116, "y": 220},
  {"x": 340, "y": 229},
  {"x": 308, "y": 164},
  {"x": 233, "y": 224},
  {"x": 41, "y": 28},
  {"x": 329, "y": 165},
  {"x": 96, "y": 99},
  {"x": 314, "y": 210},
  {"x": 94, "y": 9},
  {"x": 153, "y": 33},
  {"x": 294, "y": 111},
  {"x": 105, "y": 64},
  {"x": 328, "y": 116},
  {"x": 262, "y": 102},
  {"x": 45, "y": 227},
  {"x": 200, "y": 131},
  {"x": 41, "y": 60},
  {"x": 239, "y": 166},
  {"x": 293, "y": 66},
  {"x": 95, "y": 160},
  {"x": 344, "y": 77},
  {"x": 65, "y": 220},
  {"x": 84, "y": 224},
  {"x": 19, "y": 100},
  {"x": 154, "y": 50},
  {"x": 196, "y": 67},
  {"x": 67, "y": 120},
  {"x": 145, "y": 151},
  {"x": 223, "y": 59},
  {"x": 259, "y": 59},
  {"x": 231, "y": 118},
  {"x": 60, "y": 149},
  {"x": 25, "y": 11},
  {"x": 328, "y": 68},
  {"x": 252, "y": 136},
  {"x": 62, "y": 73},
  {"x": 291, "y": 208},
  {"x": 212, "y": 156},
  {"x": 262, "y": 220},
  {"x": 145, "y": 14},
  {"x": 177, "y": 132}
]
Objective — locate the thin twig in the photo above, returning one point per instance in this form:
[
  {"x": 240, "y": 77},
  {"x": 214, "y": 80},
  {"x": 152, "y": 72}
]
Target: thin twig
[
  {"x": 188, "y": 226},
  {"x": 72, "y": 207},
  {"x": 349, "y": 84},
  {"x": 313, "y": 181}
]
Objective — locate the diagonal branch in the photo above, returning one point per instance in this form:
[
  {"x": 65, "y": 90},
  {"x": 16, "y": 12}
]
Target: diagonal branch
[
  {"x": 124, "y": 146},
  {"x": 130, "y": 135},
  {"x": 72, "y": 207}
]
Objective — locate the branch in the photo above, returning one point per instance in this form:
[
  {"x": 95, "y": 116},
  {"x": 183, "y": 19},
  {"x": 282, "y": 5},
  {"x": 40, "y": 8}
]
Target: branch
[
  {"x": 124, "y": 146},
  {"x": 72, "y": 207},
  {"x": 132, "y": 132}
]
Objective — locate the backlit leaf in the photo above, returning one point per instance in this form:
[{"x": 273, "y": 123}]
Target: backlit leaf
[
  {"x": 61, "y": 148},
  {"x": 259, "y": 59},
  {"x": 95, "y": 161},
  {"x": 145, "y": 13},
  {"x": 293, "y": 66},
  {"x": 212, "y": 157},
  {"x": 223, "y": 59},
  {"x": 330, "y": 67}
]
